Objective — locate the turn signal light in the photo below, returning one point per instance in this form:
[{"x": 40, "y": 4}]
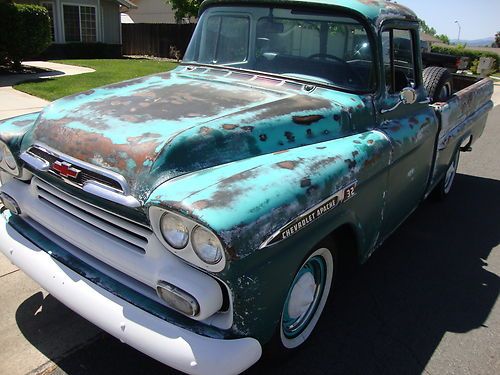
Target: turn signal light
[{"x": 178, "y": 299}]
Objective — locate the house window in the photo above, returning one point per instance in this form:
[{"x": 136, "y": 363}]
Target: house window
[
  {"x": 88, "y": 24},
  {"x": 79, "y": 23},
  {"x": 50, "y": 10}
]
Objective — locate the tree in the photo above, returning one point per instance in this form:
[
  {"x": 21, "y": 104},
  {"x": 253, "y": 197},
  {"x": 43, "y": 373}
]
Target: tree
[
  {"x": 24, "y": 32},
  {"x": 443, "y": 38},
  {"x": 185, "y": 8},
  {"x": 427, "y": 29},
  {"x": 496, "y": 43}
]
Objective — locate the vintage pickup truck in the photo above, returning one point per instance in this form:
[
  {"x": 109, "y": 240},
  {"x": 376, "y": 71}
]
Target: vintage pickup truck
[{"x": 202, "y": 214}]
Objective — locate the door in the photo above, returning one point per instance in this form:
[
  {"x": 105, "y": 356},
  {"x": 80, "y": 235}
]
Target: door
[{"x": 411, "y": 128}]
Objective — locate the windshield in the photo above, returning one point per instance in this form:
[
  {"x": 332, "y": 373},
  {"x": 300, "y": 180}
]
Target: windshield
[{"x": 324, "y": 48}]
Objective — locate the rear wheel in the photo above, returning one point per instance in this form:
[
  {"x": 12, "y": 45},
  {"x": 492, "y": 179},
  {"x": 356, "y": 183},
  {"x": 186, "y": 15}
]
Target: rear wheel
[
  {"x": 444, "y": 187},
  {"x": 439, "y": 83}
]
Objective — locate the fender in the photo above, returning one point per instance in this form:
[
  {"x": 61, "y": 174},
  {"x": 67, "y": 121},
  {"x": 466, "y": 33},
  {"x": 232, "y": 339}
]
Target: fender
[
  {"x": 12, "y": 130},
  {"x": 247, "y": 201}
]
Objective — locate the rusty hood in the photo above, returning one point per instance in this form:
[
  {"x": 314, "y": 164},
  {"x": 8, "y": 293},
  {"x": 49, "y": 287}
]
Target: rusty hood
[{"x": 154, "y": 128}]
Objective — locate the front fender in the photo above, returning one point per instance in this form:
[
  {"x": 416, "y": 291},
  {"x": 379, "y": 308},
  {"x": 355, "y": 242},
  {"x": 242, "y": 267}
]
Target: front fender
[
  {"x": 12, "y": 130},
  {"x": 245, "y": 202}
]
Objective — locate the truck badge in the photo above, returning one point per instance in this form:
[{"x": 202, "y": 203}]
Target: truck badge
[
  {"x": 311, "y": 215},
  {"x": 64, "y": 169}
]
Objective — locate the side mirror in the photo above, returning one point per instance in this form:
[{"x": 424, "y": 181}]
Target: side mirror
[{"x": 408, "y": 95}]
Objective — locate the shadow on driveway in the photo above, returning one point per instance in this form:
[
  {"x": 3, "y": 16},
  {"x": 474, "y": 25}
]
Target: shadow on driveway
[
  {"x": 7, "y": 80},
  {"x": 388, "y": 318}
]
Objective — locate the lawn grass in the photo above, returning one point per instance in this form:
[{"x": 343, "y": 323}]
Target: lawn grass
[{"x": 106, "y": 72}]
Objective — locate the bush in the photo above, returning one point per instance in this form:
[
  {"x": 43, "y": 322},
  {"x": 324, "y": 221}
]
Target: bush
[
  {"x": 472, "y": 54},
  {"x": 24, "y": 31}
]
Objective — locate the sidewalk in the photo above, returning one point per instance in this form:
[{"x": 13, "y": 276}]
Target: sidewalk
[
  {"x": 15, "y": 103},
  {"x": 23, "y": 299}
]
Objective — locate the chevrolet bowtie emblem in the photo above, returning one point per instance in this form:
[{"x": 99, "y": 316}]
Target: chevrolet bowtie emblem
[{"x": 65, "y": 169}]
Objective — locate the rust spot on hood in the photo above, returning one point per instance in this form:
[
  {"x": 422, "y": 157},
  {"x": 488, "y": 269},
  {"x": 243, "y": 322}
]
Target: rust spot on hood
[
  {"x": 305, "y": 182},
  {"x": 280, "y": 152},
  {"x": 307, "y": 120},
  {"x": 287, "y": 164},
  {"x": 200, "y": 205},
  {"x": 242, "y": 176}
]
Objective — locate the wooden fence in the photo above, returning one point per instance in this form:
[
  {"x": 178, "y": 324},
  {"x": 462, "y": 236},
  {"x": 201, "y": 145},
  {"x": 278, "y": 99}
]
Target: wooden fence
[{"x": 155, "y": 39}]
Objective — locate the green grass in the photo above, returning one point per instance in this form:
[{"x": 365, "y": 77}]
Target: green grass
[{"x": 106, "y": 72}]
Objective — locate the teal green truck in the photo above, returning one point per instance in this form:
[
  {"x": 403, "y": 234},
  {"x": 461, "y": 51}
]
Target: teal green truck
[{"x": 202, "y": 214}]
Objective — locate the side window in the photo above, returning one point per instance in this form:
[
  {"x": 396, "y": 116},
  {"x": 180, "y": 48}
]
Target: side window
[{"x": 399, "y": 60}]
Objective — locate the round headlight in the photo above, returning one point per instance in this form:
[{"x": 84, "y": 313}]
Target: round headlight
[
  {"x": 174, "y": 231},
  {"x": 206, "y": 245},
  {"x": 7, "y": 160},
  {"x": 10, "y": 161}
]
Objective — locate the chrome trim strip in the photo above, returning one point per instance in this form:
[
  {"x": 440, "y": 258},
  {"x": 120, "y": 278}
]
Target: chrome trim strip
[
  {"x": 110, "y": 194},
  {"x": 35, "y": 161}
]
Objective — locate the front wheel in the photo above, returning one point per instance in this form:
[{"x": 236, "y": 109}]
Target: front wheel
[{"x": 306, "y": 298}]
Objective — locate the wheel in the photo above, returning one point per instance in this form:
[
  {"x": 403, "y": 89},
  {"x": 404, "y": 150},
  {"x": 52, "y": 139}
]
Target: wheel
[
  {"x": 305, "y": 301},
  {"x": 439, "y": 83},
  {"x": 444, "y": 187}
]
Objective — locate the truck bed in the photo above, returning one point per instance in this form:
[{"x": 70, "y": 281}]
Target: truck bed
[{"x": 461, "y": 119}]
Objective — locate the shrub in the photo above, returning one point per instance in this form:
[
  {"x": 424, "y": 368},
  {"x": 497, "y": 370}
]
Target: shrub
[
  {"x": 24, "y": 31},
  {"x": 472, "y": 54}
]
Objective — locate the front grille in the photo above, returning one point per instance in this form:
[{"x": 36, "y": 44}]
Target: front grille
[
  {"x": 126, "y": 233},
  {"x": 84, "y": 175}
]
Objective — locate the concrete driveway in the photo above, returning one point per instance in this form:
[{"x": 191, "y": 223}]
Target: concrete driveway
[
  {"x": 426, "y": 302},
  {"x": 15, "y": 103}
]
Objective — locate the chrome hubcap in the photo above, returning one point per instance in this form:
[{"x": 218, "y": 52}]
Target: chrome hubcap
[
  {"x": 304, "y": 296},
  {"x": 450, "y": 176}
]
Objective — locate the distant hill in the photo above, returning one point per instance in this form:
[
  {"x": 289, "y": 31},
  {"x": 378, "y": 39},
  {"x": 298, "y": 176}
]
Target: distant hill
[{"x": 476, "y": 42}]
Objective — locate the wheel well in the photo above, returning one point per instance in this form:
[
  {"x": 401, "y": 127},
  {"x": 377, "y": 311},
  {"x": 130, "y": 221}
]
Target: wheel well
[{"x": 346, "y": 242}]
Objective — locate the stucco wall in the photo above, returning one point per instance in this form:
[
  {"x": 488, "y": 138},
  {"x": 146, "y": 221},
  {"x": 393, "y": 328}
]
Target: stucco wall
[
  {"x": 151, "y": 11},
  {"x": 111, "y": 25}
]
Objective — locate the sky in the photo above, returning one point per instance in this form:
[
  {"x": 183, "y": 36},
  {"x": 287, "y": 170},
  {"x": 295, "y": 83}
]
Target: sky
[{"x": 479, "y": 18}]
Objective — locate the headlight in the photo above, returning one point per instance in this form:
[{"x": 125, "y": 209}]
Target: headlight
[
  {"x": 174, "y": 231},
  {"x": 188, "y": 239},
  {"x": 206, "y": 245},
  {"x": 7, "y": 160}
]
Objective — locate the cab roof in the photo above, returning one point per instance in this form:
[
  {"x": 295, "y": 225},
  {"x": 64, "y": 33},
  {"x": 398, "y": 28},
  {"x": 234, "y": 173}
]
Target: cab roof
[{"x": 375, "y": 11}]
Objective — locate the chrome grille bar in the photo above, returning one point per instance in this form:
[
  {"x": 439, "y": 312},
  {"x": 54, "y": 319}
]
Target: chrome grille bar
[{"x": 134, "y": 235}]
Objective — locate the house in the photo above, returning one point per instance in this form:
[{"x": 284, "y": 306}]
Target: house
[
  {"x": 84, "y": 21},
  {"x": 151, "y": 11}
]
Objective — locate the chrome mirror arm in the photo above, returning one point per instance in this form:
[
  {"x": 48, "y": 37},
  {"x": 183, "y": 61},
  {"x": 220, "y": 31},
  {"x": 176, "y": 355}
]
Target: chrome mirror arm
[
  {"x": 392, "y": 108},
  {"x": 407, "y": 96}
]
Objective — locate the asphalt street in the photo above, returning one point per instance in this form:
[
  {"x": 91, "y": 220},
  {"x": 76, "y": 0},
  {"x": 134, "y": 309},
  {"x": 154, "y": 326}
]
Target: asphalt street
[{"x": 426, "y": 302}]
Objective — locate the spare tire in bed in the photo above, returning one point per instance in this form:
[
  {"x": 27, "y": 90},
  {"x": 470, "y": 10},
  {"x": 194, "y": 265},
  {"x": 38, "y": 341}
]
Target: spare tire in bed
[{"x": 439, "y": 83}]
